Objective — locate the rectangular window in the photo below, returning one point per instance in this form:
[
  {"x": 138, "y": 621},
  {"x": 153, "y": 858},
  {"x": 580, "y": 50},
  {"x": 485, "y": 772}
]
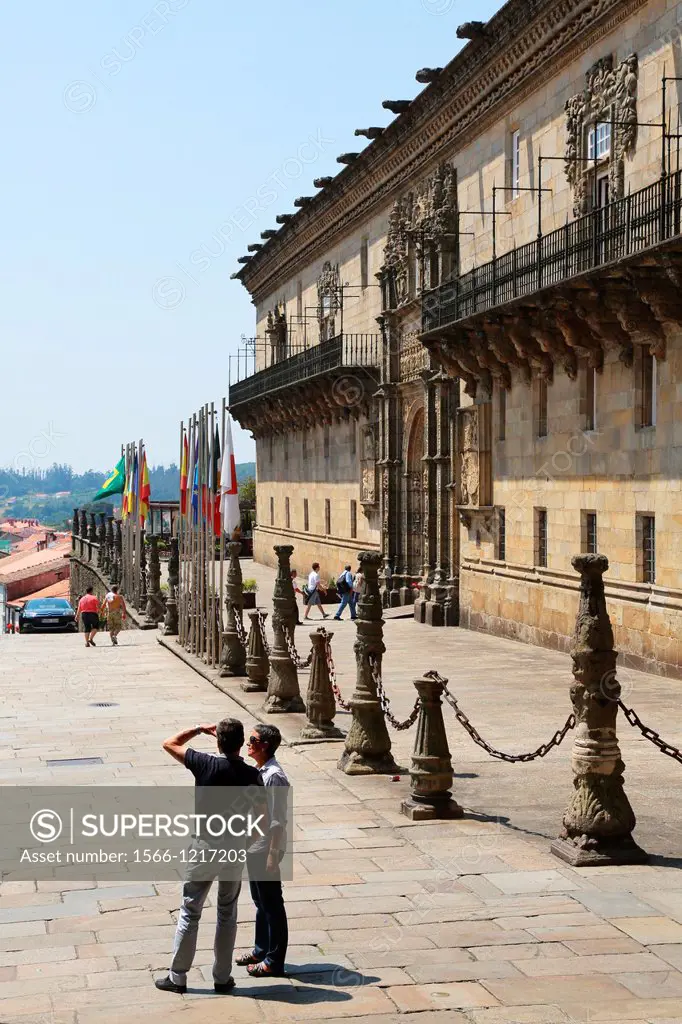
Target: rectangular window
[
  {"x": 501, "y": 540},
  {"x": 541, "y": 537},
  {"x": 272, "y": 511},
  {"x": 646, "y": 543},
  {"x": 327, "y": 516},
  {"x": 353, "y": 519},
  {"x": 501, "y": 412},
  {"x": 287, "y": 514},
  {"x": 648, "y": 382},
  {"x": 541, "y": 406},
  {"x": 364, "y": 263},
  {"x": 515, "y": 164},
  {"x": 306, "y": 518},
  {"x": 590, "y": 398},
  {"x": 600, "y": 136},
  {"x": 588, "y": 540}
]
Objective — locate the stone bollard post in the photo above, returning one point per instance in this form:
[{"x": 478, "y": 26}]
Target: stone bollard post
[
  {"x": 599, "y": 820},
  {"x": 75, "y": 526},
  {"x": 283, "y": 690},
  {"x": 368, "y": 746},
  {"x": 170, "y": 622},
  {"x": 431, "y": 771},
  {"x": 320, "y": 703},
  {"x": 142, "y": 569},
  {"x": 154, "y": 607},
  {"x": 232, "y": 652},
  {"x": 257, "y": 661}
]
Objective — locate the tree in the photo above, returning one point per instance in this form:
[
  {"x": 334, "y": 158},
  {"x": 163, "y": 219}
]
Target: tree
[{"x": 247, "y": 492}]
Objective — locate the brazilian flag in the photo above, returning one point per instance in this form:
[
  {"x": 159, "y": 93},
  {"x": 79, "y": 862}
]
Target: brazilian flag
[{"x": 114, "y": 483}]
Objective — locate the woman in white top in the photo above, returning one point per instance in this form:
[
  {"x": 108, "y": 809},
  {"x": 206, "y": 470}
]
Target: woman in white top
[{"x": 315, "y": 586}]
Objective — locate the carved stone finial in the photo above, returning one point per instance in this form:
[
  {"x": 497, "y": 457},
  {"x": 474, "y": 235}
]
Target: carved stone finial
[
  {"x": 323, "y": 182},
  {"x": 154, "y": 609},
  {"x": 471, "y": 30},
  {"x": 269, "y": 233},
  {"x": 599, "y": 820},
  {"x": 233, "y": 652},
  {"x": 320, "y": 702},
  {"x": 283, "y": 690},
  {"x": 347, "y": 158},
  {"x": 396, "y": 106},
  {"x": 283, "y": 218},
  {"x": 254, "y": 247},
  {"x": 431, "y": 771},
  {"x": 370, "y": 133},
  {"x": 302, "y": 201},
  {"x": 244, "y": 259},
  {"x": 427, "y": 75},
  {"x": 257, "y": 662},
  {"x": 170, "y": 623}
]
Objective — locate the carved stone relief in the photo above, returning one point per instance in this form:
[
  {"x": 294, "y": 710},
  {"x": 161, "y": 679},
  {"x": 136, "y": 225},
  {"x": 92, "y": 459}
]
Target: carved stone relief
[
  {"x": 276, "y": 333},
  {"x": 468, "y": 456},
  {"x": 328, "y": 300},
  {"x": 609, "y": 93},
  {"x": 368, "y": 469},
  {"x": 414, "y": 358}
]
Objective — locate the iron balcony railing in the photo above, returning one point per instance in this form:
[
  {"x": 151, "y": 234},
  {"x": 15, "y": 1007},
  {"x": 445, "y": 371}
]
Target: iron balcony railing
[
  {"x": 346, "y": 351},
  {"x": 637, "y": 221}
]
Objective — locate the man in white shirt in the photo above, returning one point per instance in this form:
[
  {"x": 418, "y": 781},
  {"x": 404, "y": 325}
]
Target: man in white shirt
[
  {"x": 272, "y": 930},
  {"x": 314, "y": 587}
]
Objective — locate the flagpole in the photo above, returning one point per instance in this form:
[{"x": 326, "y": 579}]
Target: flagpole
[
  {"x": 201, "y": 538},
  {"x": 211, "y": 516},
  {"x": 179, "y": 595},
  {"x": 222, "y": 532},
  {"x": 191, "y": 588}
]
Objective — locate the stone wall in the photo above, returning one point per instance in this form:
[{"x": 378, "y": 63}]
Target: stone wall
[{"x": 85, "y": 574}]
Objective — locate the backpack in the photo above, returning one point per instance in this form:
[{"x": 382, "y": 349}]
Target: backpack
[{"x": 342, "y": 585}]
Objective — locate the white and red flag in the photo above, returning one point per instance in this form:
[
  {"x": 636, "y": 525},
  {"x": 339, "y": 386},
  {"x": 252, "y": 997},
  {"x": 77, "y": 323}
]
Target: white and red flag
[{"x": 229, "y": 491}]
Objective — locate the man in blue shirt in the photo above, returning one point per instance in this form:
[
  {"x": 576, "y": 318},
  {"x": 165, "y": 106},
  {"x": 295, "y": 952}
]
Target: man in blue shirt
[{"x": 344, "y": 585}]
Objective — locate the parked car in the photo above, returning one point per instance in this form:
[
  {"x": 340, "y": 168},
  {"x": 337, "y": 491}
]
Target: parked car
[{"x": 48, "y": 613}]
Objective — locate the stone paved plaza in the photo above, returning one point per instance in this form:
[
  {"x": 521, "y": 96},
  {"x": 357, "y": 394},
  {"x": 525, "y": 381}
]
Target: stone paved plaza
[{"x": 437, "y": 923}]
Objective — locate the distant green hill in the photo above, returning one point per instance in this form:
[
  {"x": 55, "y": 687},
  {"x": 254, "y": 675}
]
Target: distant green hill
[{"x": 51, "y": 495}]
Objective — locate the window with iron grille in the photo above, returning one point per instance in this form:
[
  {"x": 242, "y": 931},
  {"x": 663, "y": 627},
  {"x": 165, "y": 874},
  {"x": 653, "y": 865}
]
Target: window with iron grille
[
  {"x": 272, "y": 511},
  {"x": 353, "y": 519},
  {"x": 541, "y": 537},
  {"x": 287, "y": 514},
  {"x": 599, "y": 139},
  {"x": 647, "y": 548},
  {"x": 589, "y": 532},
  {"x": 501, "y": 539},
  {"x": 327, "y": 516},
  {"x": 306, "y": 519}
]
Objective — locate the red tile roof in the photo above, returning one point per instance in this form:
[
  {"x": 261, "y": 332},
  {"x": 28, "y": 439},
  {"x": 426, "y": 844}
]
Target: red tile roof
[
  {"x": 25, "y": 564},
  {"x": 59, "y": 589}
]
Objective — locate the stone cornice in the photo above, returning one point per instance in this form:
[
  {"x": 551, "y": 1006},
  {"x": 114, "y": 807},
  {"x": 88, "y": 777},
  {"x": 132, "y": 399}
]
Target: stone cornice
[{"x": 527, "y": 43}]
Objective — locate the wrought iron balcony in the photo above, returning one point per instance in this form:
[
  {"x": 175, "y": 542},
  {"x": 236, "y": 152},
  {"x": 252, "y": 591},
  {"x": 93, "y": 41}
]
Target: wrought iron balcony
[
  {"x": 345, "y": 352},
  {"x": 639, "y": 221}
]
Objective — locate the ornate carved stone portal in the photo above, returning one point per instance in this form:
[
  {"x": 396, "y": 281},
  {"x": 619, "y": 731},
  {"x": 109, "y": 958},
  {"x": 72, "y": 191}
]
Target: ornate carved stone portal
[
  {"x": 276, "y": 333},
  {"x": 328, "y": 300},
  {"x": 610, "y": 95}
]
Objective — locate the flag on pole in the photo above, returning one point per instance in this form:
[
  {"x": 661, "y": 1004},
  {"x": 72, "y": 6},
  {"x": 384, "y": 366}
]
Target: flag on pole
[
  {"x": 127, "y": 494},
  {"x": 114, "y": 483},
  {"x": 145, "y": 490},
  {"x": 215, "y": 484},
  {"x": 184, "y": 476},
  {"x": 229, "y": 491},
  {"x": 195, "y": 484}
]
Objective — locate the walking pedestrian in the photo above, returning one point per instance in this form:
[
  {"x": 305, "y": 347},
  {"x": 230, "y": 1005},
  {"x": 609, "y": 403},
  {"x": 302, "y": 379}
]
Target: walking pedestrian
[
  {"x": 226, "y": 768},
  {"x": 314, "y": 587},
  {"x": 114, "y": 611},
  {"x": 297, "y": 590},
  {"x": 358, "y": 583},
  {"x": 264, "y": 858},
  {"x": 344, "y": 585},
  {"x": 88, "y": 611}
]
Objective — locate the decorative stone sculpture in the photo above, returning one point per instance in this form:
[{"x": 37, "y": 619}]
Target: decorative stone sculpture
[
  {"x": 599, "y": 820},
  {"x": 233, "y": 651},
  {"x": 368, "y": 746},
  {"x": 170, "y": 623},
  {"x": 101, "y": 541},
  {"x": 283, "y": 690},
  {"x": 92, "y": 529},
  {"x": 431, "y": 771},
  {"x": 83, "y": 529},
  {"x": 320, "y": 703},
  {"x": 257, "y": 661},
  {"x": 142, "y": 598},
  {"x": 154, "y": 608},
  {"x": 117, "y": 566},
  {"x": 74, "y": 529},
  {"x": 109, "y": 545}
]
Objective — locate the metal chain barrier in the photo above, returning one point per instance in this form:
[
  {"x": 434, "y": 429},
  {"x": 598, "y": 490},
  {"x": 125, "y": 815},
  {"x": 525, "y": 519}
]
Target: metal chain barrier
[
  {"x": 261, "y": 626},
  {"x": 332, "y": 671},
  {"x": 386, "y": 703},
  {"x": 293, "y": 653},
  {"x": 463, "y": 720},
  {"x": 650, "y": 734},
  {"x": 239, "y": 626}
]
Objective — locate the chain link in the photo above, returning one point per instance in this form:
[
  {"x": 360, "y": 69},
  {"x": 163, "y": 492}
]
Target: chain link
[
  {"x": 239, "y": 626},
  {"x": 332, "y": 670},
  {"x": 650, "y": 734},
  {"x": 261, "y": 627},
  {"x": 463, "y": 720},
  {"x": 293, "y": 653},
  {"x": 384, "y": 699}
]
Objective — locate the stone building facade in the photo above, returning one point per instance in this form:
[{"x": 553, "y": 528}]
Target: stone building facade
[{"x": 468, "y": 342}]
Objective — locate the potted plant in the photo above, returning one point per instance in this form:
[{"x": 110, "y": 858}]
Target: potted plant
[
  {"x": 249, "y": 588},
  {"x": 331, "y": 596}
]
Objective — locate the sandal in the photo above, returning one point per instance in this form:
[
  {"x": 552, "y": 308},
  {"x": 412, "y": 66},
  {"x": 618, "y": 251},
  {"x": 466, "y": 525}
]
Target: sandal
[
  {"x": 263, "y": 970},
  {"x": 247, "y": 960}
]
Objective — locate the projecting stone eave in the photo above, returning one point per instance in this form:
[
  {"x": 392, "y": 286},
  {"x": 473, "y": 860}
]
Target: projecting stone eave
[
  {"x": 525, "y": 40},
  {"x": 634, "y": 301}
]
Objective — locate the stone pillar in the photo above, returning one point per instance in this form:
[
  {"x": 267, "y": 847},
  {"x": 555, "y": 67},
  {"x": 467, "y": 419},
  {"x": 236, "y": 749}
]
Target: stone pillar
[
  {"x": 390, "y": 460},
  {"x": 233, "y": 651},
  {"x": 154, "y": 607},
  {"x": 142, "y": 599},
  {"x": 257, "y": 661},
  {"x": 117, "y": 563},
  {"x": 101, "y": 541},
  {"x": 599, "y": 820},
  {"x": 74, "y": 529},
  {"x": 320, "y": 703},
  {"x": 84, "y": 534},
  {"x": 368, "y": 747},
  {"x": 431, "y": 771},
  {"x": 283, "y": 691},
  {"x": 439, "y": 607},
  {"x": 92, "y": 528},
  {"x": 109, "y": 546},
  {"x": 170, "y": 622}
]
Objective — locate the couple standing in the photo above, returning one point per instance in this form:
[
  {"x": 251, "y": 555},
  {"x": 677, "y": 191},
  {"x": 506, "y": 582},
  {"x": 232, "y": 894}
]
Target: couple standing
[{"x": 228, "y": 768}]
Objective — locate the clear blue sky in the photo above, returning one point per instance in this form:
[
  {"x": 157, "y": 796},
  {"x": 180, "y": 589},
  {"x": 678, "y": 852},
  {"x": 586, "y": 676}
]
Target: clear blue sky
[{"x": 132, "y": 132}]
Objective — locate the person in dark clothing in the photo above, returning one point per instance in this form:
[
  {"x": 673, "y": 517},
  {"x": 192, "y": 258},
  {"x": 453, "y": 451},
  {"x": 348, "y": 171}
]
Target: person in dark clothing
[
  {"x": 272, "y": 930},
  {"x": 226, "y": 768}
]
